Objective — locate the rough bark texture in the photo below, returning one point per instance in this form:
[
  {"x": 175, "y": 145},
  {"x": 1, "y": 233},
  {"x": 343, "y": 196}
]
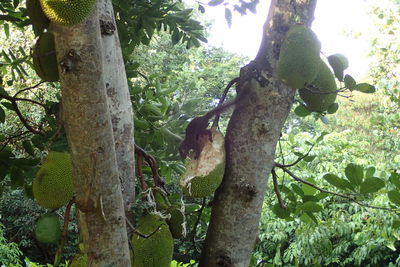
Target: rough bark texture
[
  {"x": 253, "y": 132},
  {"x": 119, "y": 102},
  {"x": 90, "y": 135}
]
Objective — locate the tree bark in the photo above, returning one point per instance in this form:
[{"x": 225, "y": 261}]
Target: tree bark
[
  {"x": 89, "y": 131},
  {"x": 119, "y": 102},
  {"x": 253, "y": 132}
]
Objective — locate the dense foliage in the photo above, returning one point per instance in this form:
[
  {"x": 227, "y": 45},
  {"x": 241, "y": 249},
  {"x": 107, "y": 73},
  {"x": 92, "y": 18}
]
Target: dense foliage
[{"x": 352, "y": 153}]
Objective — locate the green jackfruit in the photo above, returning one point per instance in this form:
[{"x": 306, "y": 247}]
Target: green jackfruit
[
  {"x": 67, "y": 12},
  {"x": 299, "y": 57},
  {"x": 176, "y": 223},
  {"x": 204, "y": 175},
  {"x": 325, "y": 82},
  {"x": 79, "y": 260},
  {"x": 52, "y": 186},
  {"x": 48, "y": 229},
  {"x": 155, "y": 250},
  {"x": 44, "y": 58},
  {"x": 38, "y": 18}
]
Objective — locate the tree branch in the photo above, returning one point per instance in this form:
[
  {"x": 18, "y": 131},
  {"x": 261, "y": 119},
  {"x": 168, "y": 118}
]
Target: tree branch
[{"x": 349, "y": 197}]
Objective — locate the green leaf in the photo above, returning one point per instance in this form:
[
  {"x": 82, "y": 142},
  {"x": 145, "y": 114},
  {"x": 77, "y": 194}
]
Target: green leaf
[
  {"x": 176, "y": 37},
  {"x": 215, "y": 2},
  {"x": 2, "y": 115},
  {"x": 336, "y": 181},
  {"x": 7, "y": 30},
  {"x": 333, "y": 108},
  {"x": 354, "y": 173},
  {"x": 201, "y": 9},
  {"x": 308, "y": 190},
  {"x": 228, "y": 16},
  {"x": 338, "y": 63},
  {"x": 311, "y": 207},
  {"x": 27, "y": 145},
  {"x": 370, "y": 172},
  {"x": 297, "y": 190},
  {"x": 280, "y": 212},
  {"x": 321, "y": 137},
  {"x": 308, "y": 218},
  {"x": 324, "y": 119},
  {"x": 365, "y": 88},
  {"x": 371, "y": 185},
  {"x": 349, "y": 82},
  {"x": 17, "y": 177},
  {"x": 395, "y": 179},
  {"x": 8, "y": 105},
  {"x": 394, "y": 196},
  {"x": 301, "y": 111},
  {"x": 38, "y": 141}
]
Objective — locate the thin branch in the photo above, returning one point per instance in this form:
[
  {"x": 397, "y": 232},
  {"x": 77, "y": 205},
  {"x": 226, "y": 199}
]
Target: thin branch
[
  {"x": 139, "y": 233},
  {"x": 276, "y": 189},
  {"x": 193, "y": 233},
  {"x": 28, "y": 88},
  {"x": 298, "y": 159},
  {"x": 23, "y": 120},
  {"x": 222, "y": 99},
  {"x": 349, "y": 197},
  {"x": 13, "y": 137},
  {"x": 153, "y": 165},
  {"x": 64, "y": 236},
  {"x": 15, "y": 99}
]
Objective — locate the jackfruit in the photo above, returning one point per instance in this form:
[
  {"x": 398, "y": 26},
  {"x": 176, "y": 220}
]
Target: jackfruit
[
  {"x": 155, "y": 250},
  {"x": 176, "y": 223},
  {"x": 67, "y": 12},
  {"x": 38, "y": 18},
  {"x": 204, "y": 175},
  {"x": 299, "y": 57},
  {"x": 79, "y": 260},
  {"x": 325, "y": 82},
  {"x": 52, "y": 186},
  {"x": 44, "y": 58},
  {"x": 48, "y": 229}
]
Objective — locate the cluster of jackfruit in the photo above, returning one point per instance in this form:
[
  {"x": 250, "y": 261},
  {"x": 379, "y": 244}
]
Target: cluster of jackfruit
[
  {"x": 52, "y": 186},
  {"x": 299, "y": 57},
  {"x": 204, "y": 175},
  {"x": 67, "y": 12},
  {"x": 44, "y": 58},
  {"x": 47, "y": 229},
  {"x": 300, "y": 67},
  {"x": 156, "y": 249}
]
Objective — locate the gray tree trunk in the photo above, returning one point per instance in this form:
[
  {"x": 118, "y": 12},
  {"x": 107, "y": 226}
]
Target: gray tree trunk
[
  {"x": 87, "y": 121},
  {"x": 119, "y": 102},
  {"x": 253, "y": 132}
]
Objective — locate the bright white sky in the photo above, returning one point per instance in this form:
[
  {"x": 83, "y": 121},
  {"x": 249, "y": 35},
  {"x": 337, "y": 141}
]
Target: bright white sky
[{"x": 333, "y": 19}]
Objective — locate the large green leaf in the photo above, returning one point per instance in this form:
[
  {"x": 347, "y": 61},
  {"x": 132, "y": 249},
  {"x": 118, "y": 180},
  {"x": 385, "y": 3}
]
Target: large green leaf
[
  {"x": 336, "y": 181},
  {"x": 354, "y": 173},
  {"x": 280, "y": 212},
  {"x": 394, "y": 196},
  {"x": 395, "y": 179},
  {"x": 310, "y": 206},
  {"x": 371, "y": 185}
]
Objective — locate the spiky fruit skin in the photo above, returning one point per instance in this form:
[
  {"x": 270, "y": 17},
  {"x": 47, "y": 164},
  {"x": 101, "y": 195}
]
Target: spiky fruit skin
[
  {"x": 299, "y": 57},
  {"x": 52, "y": 186},
  {"x": 324, "y": 82},
  {"x": 176, "y": 222},
  {"x": 156, "y": 250},
  {"x": 35, "y": 13},
  {"x": 204, "y": 175},
  {"x": 48, "y": 229},
  {"x": 67, "y": 12},
  {"x": 44, "y": 58}
]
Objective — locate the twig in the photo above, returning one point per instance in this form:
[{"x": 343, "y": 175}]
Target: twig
[
  {"x": 28, "y": 88},
  {"x": 349, "y": 197},
  {"x": 298, "y": 159},
  {"x": 12, "y": 137},
  {"x": 222, "y": 99},
  {"x": 276, "y": 189},
  {"x": 200, "y": 211},
  {"x": 57, "y": 257},
  {"x": 153, "y": 165},
  {"x": 139, "y": 233}
]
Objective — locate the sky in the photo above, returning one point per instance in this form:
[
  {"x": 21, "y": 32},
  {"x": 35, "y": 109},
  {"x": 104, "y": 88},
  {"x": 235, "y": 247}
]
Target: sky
[{"x": 336, "y": 22}]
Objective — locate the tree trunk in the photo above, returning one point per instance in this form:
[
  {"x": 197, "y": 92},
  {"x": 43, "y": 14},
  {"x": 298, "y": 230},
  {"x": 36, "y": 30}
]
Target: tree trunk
[
  {"x": 89, "y": 131},
  {"x": 253, "y": 132},
  {"x": 119, "y": 102}
]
